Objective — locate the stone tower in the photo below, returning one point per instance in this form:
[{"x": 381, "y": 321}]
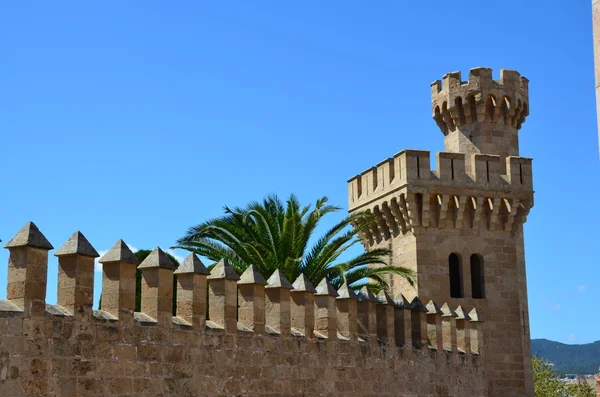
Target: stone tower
[{"x": 460, "y": 227}]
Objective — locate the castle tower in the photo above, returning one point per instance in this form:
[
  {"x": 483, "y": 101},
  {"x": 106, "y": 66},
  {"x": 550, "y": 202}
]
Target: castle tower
[{"x": 460, "y": 227}]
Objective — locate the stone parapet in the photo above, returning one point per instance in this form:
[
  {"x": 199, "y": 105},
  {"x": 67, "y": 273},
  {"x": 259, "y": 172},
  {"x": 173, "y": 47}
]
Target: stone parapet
[
  {"x": 115, "y": 353},
  {"x": 413, "y": 196}
]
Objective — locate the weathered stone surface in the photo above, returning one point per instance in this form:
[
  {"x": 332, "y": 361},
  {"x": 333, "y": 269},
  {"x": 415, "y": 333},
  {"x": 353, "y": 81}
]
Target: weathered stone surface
[
  {"x": 61, "y": 357},
  {"x": 157, "y": 259},
  {"x": 303, "y": 284},
  {"x": 324, "y": 288},
  {"x": 278, "y": 280},
  {"x": 29, "y": 236},
  {"x": 384, "y": 298},
  {"x": 346, "y": 292},
  {"x": 365, "y": 295},
  {"x": 251, "y": 276},
  {"x": 433, "y": 308},
  {"x": 416, "y": 304},
  {"x": 77, "y": 244},
  {"x": 223, "y": 270},
  {"x": 119, "y": 252},
  {"x": 475, "y": 316},
  {"x": 192, "y": 264}
]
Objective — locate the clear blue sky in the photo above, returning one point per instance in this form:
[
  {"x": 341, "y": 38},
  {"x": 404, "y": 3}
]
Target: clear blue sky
[{"x": 136, "y": 119}]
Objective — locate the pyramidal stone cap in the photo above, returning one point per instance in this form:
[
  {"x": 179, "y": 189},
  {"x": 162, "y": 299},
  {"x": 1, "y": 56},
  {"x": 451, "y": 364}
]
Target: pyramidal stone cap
[
  {"x": 447, "y": 311},
  {"x": 192, "y": 264},
  {"x": 346, "y": 292},
  {"x": 29, "y": 236},
  {"x": 402, "y": 302},
  {"x": 77, "y": 244},
  {"x": 325, "y": 289},
  {"x": 461, "y": 315},
  {"x": 416, "y": 304},
  {"x": 384, "y": 298},
  {"x": 252, "y": 276},
  {"x": 433, "y": 308},
  {"x": 119, "y": 252},
  {"x": 223, "y": 270},
  {"x": 475, "y": 316},
  {"x": 278, "y": 280},
  {"x": 157, "y": 260},
  {"x": 302, "y": 284},
  {"x": 365, "y": 295}
]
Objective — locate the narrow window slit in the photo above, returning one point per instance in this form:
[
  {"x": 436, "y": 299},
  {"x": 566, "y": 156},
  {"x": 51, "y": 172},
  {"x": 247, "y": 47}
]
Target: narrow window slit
[{"x": 521, "y": 172}]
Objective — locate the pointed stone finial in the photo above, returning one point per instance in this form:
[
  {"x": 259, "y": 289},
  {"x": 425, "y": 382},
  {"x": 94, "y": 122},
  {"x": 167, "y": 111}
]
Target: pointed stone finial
[
  {"x": 447, "y": 311},
  {"x": 77, "y": 244},
  {"x": 384, "y": 298},
  {"x": 475, "y": 316},
  {"x": 29, "y": 236},
  {"x": 461, "y": 314},
  {"x": 192, "y": 264},
  {"x": 433, "y": 308},
  {"x": 251, "y": 276},
  {"x": 278, "y": 280},
  {"x": 302, "y": 284},
  {"x": 325, "y": 289},
  {"x": 119, "y": 252},
  {"x": 402, "y": 302},
  {"x": 157, "y": 259},
  {"x": 416, "y": 304},
  {"x": 223, "y": 270},
  {"x": 345, "y": 292},
  {"x": 365, "y": 295}
]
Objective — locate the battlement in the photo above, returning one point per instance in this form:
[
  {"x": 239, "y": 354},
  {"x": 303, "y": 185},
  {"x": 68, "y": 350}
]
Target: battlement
[
  {"x": 246, "y": 303},
  {"x": 457, "y": 103},
  {"x": 466, "y": 192},
  {"x": 412, "y": 167}
]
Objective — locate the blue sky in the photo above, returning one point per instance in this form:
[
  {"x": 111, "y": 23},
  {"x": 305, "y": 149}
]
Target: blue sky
[{"x": 136, "y": 120}]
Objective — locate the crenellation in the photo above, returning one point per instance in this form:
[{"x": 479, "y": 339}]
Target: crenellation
[
  {"x": 347, "y": 312},
  {"x": 251, "y": 300},
  {"x": 277, "y": 303},
  {"x": 76, "y": 275},
  {"x": 325, "y": 310},
  {"x": 110, "y": 353},
  {"x": 118, "y": 282},
  {"x": 157, "y": 287},
  {"x": 191, "y": 291}
]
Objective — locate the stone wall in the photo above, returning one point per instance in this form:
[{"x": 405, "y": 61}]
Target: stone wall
[{"x": 264, "y": 337}]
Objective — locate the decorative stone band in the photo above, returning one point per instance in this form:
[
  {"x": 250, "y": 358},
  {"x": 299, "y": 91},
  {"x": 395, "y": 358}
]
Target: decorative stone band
[{"x": 246, "y": 304}]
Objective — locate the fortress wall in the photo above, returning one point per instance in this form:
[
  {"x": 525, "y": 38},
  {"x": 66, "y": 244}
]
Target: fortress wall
[{"x": 262, "y": 337}]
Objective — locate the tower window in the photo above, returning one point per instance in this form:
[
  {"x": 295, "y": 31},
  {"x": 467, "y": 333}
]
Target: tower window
[
  {"x": 455, "y": 267},
  {"x": 477, "y": 277}
]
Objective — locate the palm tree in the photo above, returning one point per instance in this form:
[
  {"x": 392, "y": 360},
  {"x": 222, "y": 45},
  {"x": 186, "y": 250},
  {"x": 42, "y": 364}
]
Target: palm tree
[{"x": 271, "y": 235}]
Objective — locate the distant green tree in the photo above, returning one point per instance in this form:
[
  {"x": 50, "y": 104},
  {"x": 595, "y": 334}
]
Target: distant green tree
[{"x": 547, "y": 383}]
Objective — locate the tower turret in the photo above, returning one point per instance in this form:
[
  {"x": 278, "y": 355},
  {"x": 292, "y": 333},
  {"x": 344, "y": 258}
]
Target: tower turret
[
  {"x": 481, "y": 115},
  {"x": 460, "y": 227}
]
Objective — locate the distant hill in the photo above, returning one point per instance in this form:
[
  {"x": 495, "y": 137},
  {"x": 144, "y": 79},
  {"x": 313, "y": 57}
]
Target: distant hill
[{"x": 569, "y": 359}]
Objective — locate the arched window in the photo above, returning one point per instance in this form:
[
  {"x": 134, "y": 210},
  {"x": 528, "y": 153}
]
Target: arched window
[
  {"x": 456, "y": 285},
  {"x": 477, "y": 277}
]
